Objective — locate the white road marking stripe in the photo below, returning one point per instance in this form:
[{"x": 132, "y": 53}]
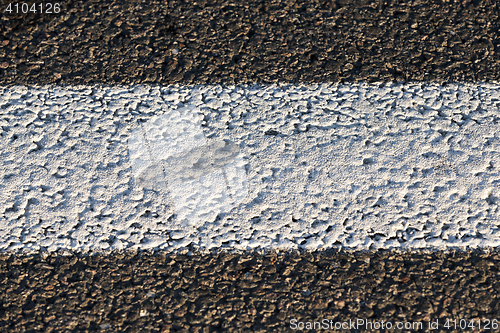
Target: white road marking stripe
[
  {"x": 170, "y": 153},
  {"x": 356, "y": 165}
]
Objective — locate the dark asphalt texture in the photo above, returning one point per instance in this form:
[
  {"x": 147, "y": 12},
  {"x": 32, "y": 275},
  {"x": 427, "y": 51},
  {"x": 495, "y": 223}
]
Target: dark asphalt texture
[
  {"x": 202, "y": 42},
  {"x": 243, "y": 292},
  {"x": 252, "y": 41}
]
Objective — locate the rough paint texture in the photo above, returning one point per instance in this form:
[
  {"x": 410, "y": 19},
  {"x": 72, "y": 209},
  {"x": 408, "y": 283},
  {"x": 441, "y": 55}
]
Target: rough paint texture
[
  {"x": 359, "y": 166},
  {"x": 252, "y": 41}
]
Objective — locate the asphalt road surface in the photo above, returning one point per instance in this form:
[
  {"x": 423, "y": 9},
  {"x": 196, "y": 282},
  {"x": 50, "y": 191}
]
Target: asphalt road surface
[{"x": 250, "y": 42}]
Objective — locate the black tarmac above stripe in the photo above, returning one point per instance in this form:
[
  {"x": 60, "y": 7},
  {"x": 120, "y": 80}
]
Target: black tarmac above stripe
[
  {"x": 165, "y": 42},
  {"x": 245, "y": 292},
  {"x": 249, "y": 41}
]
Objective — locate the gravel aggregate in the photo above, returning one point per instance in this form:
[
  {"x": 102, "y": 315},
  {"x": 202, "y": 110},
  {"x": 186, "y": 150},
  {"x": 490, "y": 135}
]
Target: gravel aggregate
[
  {"x": 243, "y": 292},
  {"x": 219, "y": 42},
  {"x": 252, "y": 41}
]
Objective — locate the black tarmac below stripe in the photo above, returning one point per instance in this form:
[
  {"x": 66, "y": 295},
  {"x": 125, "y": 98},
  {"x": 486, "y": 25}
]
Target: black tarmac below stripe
[
  {"x": 247, "y": 292},
  {"x": 248, "y": 41},
  {"x": 166, "y": 42}
]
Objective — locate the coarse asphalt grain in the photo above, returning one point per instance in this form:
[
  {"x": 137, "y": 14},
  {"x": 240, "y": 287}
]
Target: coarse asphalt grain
[
  {"x": 132, "y": 292},
  {"x": 124, "y": 42},
  {"x": 251, "y": 41}
]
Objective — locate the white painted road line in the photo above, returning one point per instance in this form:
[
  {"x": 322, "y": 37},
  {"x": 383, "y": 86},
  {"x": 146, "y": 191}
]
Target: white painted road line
[
  {"x": 359, "y": 166},
  {"x": 170, "y": 153}
]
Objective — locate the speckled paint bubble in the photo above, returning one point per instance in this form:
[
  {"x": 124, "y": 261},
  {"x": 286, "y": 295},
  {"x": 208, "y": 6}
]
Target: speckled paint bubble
[
  {"x": 357, "y": 166},
  {"x": 170, "y": 153}
]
